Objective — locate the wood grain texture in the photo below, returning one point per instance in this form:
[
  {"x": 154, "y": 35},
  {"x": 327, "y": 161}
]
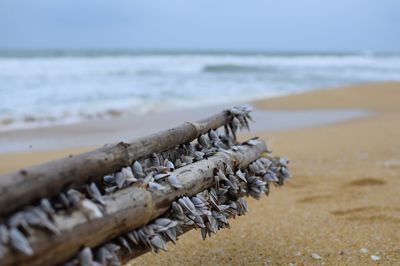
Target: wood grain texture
[
  {"x": 46, "y": 180},
  {"x": 126, "y": 210}
]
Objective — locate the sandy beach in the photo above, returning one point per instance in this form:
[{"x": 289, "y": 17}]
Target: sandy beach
[{"x": 343, "y": 204}]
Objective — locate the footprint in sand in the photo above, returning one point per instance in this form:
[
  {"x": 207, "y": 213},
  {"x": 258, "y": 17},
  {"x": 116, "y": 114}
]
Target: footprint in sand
[
  {"x": 315, "y": 199},
  {"x": 370, "y": 214},
  {"x": 367, "y": 182}
]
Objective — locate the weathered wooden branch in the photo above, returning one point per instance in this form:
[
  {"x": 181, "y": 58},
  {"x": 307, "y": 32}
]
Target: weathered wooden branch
[
  {"x": 49, "y": 179},
  {"x": 128, "y": 208}
]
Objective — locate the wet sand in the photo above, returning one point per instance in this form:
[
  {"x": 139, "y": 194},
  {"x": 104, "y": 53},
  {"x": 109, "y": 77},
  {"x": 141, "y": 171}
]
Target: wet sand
[
  {"x": 344, "y": 195},
  {"x": 98, "y": 132}
]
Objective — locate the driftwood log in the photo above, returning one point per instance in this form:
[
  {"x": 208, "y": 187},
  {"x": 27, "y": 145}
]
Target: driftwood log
[
  {"x": 132, "y": 207},
  {"x": 50, "y": 178}
]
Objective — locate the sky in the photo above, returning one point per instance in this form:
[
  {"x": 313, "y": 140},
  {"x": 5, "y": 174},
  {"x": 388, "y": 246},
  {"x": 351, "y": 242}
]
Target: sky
[{"x": 259, "y": 25}]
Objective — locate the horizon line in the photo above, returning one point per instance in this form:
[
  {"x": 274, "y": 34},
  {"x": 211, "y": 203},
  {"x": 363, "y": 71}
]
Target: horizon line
[{"x": 78, "y": 51}]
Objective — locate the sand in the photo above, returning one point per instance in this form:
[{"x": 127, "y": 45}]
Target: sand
[
  {"x": 344, "y": 196},
  {"x": 95, "y": 133},
  {"x": 343, "y": 203},
  {"x": 375, "y": 96}
]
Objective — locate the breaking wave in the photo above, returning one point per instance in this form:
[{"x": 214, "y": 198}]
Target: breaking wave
[
  {"x": 233, "y": 68},
  {"x": 49, "y": 88}
]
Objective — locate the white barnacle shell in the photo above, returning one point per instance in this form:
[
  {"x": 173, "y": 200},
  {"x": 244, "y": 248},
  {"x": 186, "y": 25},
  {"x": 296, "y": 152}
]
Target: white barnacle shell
[
  {"x": 265, "y": 161},
  {"x": 149, "y": 177},
  {"x": 4, "y": 234},
  {"x": 120, "y": 179},
  {"x": 177, "y": 209},
  {"x": 178, "y": 163},
  {"x": 235, "y": 148},
  {"x": 46, "y": 206},
  {"x": 19, "y": 242},
  {"x": 187, "y": 204},
  {"x": 187, "y": 159},
  {"x": 213, "y": 224},
  {"x": 223, "y": 207},
  {"x": 112, "y": 257},
  {"x": 260, "y": 165},
  {"x": 285, "y": 172},
  {"x": 165, "y": 222},
  {"x": 142, "y": 236},
  {"x": 37, "y": 217},
  {"x": 161, "y": 176},
  {"x": 85, "y": 257},
  {"x": 270, "y": 177},
  {"x": 235, "y": 123},
  {"x": 133, "y": 236},
  {"x": 158, "y": 243},
  {"x": 204, "y": 141},
  {"x": 198, "y": 203},
  {"x": 112, "y": 247},
  {"x": 203, "y": 231},
  {"x": 149, "y": 230},
  {"x": 74, "y": 197},
  {"x": 253, "y": 167},
  {"x": 111, "y": 189},
  {"x": 213, "y": 135},
  {"x": 221, "y": 176},
  {"x": 65, "y": 201},
  {"x": 94, "y": 192},
  {"x": 199, "y": 221},
  {"x": 100, "y": 255},
  {"x": 173, "y": 181},
  {"x": 284, "y": 161},
  {"x": 252, "y": 142},
  {"x": 169, "y": 165},
  {"x": 198, "y": 155},
  {"x": 228, "y": 170},
  {"x": 187, "y": 221},
  {"x": 242, "y": 203},
  {"x": 127, "y": 172},
  {"x": 171, "y": 234},
  {"x": 18, "y": 219},
  {"x": 156, "y": 186},
  {"x": 233, "y": 182},
  {"x": 108, "y": 179},
  {"x": 125, "y": 243},
  {"x": 90, "y": 209},
  {"x": 241, "y": 176},
  {"x": 137, "y": 169},
  {"x": 153, "y": 160}
]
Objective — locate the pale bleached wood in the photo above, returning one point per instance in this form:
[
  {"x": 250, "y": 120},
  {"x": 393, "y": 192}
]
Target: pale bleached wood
[
  {"x": 46, "y": 180},
  {"x": 126, "y": 209}
]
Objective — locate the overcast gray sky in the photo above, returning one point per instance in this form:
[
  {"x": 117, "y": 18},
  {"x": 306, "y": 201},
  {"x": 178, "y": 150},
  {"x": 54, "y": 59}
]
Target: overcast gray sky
[{"x": 269, "y": 25}]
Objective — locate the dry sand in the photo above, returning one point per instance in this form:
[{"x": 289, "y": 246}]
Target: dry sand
[{"x": 345, "y": 194}]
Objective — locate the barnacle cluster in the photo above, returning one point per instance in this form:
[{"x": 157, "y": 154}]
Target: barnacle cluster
[
  {"x": 207, "y": 211},
  {"x": 160, "y": 166}
]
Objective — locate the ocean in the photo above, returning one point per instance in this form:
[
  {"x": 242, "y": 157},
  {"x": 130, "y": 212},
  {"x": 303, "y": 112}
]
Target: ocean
[{"x": 44, "y": 88}]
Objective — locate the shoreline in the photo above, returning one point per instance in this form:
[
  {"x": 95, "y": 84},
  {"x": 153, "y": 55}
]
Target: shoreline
[
  {"x": 98, "y": 133},
  {"x": 42, "y": 144},
  {"x": 31, "y": 123}
]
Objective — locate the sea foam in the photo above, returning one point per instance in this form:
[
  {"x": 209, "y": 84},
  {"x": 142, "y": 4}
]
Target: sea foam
[{"x": 56, "y": 88}]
